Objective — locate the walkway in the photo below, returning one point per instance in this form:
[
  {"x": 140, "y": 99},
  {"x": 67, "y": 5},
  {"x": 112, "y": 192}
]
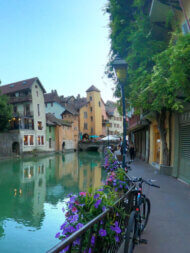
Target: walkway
[{"x": 168, "y": 230}]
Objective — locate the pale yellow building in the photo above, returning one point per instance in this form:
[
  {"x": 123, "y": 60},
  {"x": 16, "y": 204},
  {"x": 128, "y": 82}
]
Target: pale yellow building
[{"x": 90, "y": 114}]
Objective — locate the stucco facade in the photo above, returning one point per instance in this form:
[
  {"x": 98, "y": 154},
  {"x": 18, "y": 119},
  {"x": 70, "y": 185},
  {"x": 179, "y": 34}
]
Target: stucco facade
[
  {"x": 55, "y": 108},
  {"x": 74, "y": 120},
  {"x": 64, "y": 138},
  {"x": 91, "y": 114},
  {"x": 116, "y": 123},
  {"x": 27, "y": 98}
]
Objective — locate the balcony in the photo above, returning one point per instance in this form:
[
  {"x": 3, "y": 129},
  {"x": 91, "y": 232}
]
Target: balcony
[
  {"x": 20, "y": 99},
  {"x": 27, "y": 114},
  {"x": 21, "y": 124}
]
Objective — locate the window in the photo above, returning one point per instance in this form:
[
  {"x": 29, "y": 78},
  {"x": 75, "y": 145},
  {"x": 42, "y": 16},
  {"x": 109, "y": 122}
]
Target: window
[
  {"x": 37, "y": 93},
  {"x": 51, "y": 104},
  {"x": 85, "y": 126},
  {"x": 28, "y": 140},
  {"x": 38, "y": 107},
  {"x": 31, "y": 138},
  {"x": 90, "y": 98},
  {"x": 50, "y": 143},
  {"x": 40, "y": 125},
  {"x": 91, "y": 109},
  {"x": 92, "y": 130},
  {"x": 99, "y": 104},
  {"x": 85, "y": 115},
  {"x": 91, "y": 118},
  {"x": 41, "y": 140},
  {"x": 36, "y": 86}
]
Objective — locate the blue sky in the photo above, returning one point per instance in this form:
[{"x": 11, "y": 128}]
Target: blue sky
[{"x": 64, "y": 43}]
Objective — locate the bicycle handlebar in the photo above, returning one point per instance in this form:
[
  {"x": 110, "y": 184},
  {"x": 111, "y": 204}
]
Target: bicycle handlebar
[{"x": 140, "y": 179}]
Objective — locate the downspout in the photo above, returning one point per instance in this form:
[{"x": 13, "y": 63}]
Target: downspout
[{"x": 184, "y": 12}]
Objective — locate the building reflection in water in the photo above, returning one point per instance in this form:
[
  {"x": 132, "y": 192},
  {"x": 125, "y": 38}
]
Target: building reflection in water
[{"x": 26, "y": 185}]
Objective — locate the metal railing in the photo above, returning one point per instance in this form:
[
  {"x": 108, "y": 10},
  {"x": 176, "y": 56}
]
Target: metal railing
[{"x": 92, "y": 229}]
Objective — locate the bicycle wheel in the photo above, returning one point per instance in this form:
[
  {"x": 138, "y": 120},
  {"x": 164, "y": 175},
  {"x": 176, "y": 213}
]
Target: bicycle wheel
[
  {"x": 144, "y": 212},
  {"x": 130, "y": 234}
]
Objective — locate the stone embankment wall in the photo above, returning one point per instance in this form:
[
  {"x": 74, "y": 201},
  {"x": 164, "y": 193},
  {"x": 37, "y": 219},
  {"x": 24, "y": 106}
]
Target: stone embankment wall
[{"x": 6, "y": 142}]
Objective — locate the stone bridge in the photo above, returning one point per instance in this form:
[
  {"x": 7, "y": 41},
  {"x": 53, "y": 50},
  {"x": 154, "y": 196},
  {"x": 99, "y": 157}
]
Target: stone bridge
[{"x": 95, "y": 145}]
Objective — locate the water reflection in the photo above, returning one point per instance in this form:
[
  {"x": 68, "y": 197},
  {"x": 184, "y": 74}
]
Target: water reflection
[{"x": 30, "y": 188}]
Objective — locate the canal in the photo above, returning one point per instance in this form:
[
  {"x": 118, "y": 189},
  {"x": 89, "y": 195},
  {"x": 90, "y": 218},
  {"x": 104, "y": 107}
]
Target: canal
[{"x": 32, "y": 194}]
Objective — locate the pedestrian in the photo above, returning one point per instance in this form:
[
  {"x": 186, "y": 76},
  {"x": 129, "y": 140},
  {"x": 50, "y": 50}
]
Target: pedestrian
[
  {"x": 117, "y": 152},
  {"x": 132, "y": 152}
]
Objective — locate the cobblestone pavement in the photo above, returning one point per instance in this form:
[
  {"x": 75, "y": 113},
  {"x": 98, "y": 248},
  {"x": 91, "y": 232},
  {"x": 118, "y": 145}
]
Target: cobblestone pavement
[{"x": 168, "y": 229}]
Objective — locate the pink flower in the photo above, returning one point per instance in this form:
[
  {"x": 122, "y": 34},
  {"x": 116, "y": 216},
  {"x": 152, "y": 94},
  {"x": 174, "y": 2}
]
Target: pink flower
[
  {"x": 82, "y": 193},
  {"x": 74, "y": 209}
]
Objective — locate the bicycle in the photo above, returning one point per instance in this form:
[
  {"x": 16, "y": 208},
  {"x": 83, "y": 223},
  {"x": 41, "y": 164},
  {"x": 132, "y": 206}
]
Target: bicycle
[{"x": 139, "y": 216}]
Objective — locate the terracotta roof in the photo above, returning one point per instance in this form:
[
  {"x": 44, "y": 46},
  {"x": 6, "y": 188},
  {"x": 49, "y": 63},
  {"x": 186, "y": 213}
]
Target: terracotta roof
[
  {"x": 50, "y": 118},
  {"x": 21, "y": 85},
  {"x": 92, "y": 88}
]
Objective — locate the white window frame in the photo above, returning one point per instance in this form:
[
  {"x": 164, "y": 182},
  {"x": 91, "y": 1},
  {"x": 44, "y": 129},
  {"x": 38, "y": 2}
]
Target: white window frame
[
  {"x": 40, "y": 140},
  {"x": 29, "y": 145}
]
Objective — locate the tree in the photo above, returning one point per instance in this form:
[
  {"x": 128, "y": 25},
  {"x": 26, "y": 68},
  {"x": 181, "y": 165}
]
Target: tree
[
  {"x": 5, "y": 112},
  {"x": 158, "y": 71}
]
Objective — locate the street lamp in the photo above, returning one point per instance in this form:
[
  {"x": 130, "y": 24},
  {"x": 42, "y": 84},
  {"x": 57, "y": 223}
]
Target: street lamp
[{"x": 120, "y": 67}]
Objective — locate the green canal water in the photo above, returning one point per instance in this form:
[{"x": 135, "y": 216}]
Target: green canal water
[{"x": 32, "y": 194}]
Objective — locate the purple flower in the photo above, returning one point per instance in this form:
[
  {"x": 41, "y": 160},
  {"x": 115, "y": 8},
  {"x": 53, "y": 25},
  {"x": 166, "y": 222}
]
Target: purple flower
[
  {"x": 118, "y": 230},
  {"x": 74, "y": 218},
  {"x": 117, "y": 238},
  {"x": 96, "y": 196},
  {"x": 66, "y": 249},
  {"x": 63, "y": 209},
  {"x": 63, "y": 226},
  {"x": 100, "y": 190},
  {"x": 57, "y": 235},
  {"x": 93, "y": 240},
  {"x": 77, "y": 241},
  {"x": 103, "y": 208},
  {"x": 98, "y": 202},
  {"x": 79, "y": 225},
  {"x": 102, "y": 232},
  {"x": 90, "y": 250},
  {"x": 72, "y": 200}
]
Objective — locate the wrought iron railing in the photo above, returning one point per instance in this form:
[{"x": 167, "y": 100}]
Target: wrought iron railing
[{"x": 84, "y": 235}]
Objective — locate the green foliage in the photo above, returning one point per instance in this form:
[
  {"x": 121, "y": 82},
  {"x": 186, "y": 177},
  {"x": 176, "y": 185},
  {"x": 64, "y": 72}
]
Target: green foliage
[
  {"x": 158, "y": 72},
  {"x": 5, "y": 112}
]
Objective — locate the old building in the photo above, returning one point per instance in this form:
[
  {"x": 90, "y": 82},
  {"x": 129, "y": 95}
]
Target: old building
[
  {"x": 53, "y": 104},
  {"x": 105, "y": 120},
  {"x": 64, "y": 136},
  {"x": 71, "y": 115},
  {"x": 115, "y": 119},
  {"x": 91, "y": 113},
  {"x": 28, "y": 122}
]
